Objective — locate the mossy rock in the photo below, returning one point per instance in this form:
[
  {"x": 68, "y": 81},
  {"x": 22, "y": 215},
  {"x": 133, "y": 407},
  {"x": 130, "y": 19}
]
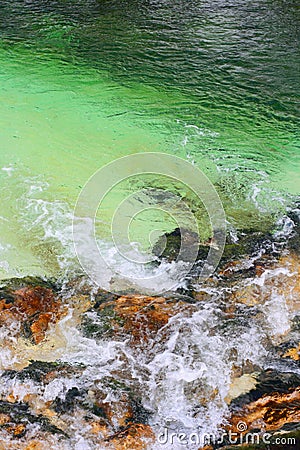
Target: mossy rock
[
  {"x": 38, "y": 370},
  {"x": 13, "y": 284},
  {"x": 251, "y": 240},
  {"x": 168, "y": 246},
  {"x": 140, "y": 414},
  {"x": 67, "y": 405},
  {"x": 133, "y": 410},
  {"x": 268, "y": 382},
  {"x": 19, "y": 413}
]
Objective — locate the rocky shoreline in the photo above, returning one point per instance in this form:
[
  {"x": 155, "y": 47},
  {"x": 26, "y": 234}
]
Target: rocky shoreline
[{"x": 110, "y": 410}]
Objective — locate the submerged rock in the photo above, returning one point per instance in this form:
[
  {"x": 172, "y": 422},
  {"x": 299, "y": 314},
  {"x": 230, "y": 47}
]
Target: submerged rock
[
  {"x": 108, "y": 409},
  {"x": 294, "y": 237},
  {"x": 273, "y": 406}
]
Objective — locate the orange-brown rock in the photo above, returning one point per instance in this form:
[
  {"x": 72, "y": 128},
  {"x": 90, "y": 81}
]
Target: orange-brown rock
[
  {"x": 140, "y": 316},
  {"x": 135, "y": 436},
  {"x": 230, "y": 268},
  {"x": 34, "y": 308},
  {"x": 16, "y": 430},
  {"x": 18, "y": 445},
  {"x": 270, "y": 412},
  {"x": 44, "y": 442},
  {"x": 293, "y": 353},
  {"x": 4, "y": 418}
]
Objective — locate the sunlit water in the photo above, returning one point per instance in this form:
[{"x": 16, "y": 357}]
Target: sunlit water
[{"x": 83, "y": 83}]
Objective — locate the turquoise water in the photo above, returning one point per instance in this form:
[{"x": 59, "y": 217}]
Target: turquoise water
[{"x": 83, "y": 83}]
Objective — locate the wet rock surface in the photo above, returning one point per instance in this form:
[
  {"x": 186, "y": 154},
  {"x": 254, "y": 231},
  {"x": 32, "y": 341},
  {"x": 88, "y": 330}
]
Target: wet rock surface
[
  {"x": 17, "y": 417},
  {"x": 78, "y": 375},
  {"x": 43, "y": 372},
  {"x": 185, "y": 244},
  {"x": 110, "y": 411},
  {"x": 268, "y": 415},
  {"x": 135, "y": 317},
  {"x": 33, "y": 306}
]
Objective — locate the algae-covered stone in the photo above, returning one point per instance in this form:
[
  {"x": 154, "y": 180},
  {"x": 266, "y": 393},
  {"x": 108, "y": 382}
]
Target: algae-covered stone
[
  {"x": 189, "y": 244},
  {"x": 268, "y": 382},
  {"x": 124, "y": 407},
  {"x": 136, "y": 317}
]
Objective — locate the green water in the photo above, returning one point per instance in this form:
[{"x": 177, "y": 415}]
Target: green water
[{"x": 85, "y": 82}]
